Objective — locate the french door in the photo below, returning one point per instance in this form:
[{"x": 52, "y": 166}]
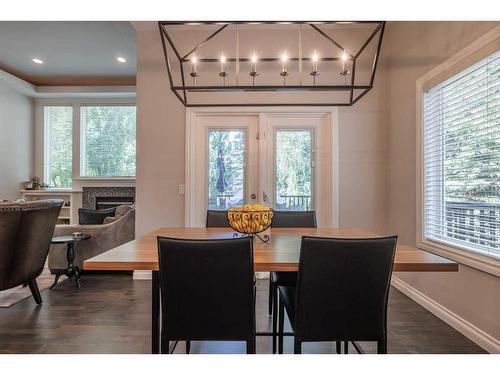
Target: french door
[{"x": 281, "y": 160}]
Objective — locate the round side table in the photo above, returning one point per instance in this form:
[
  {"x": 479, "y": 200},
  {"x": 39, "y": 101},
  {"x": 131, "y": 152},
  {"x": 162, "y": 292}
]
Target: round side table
[{"x": 71, "y": 270}]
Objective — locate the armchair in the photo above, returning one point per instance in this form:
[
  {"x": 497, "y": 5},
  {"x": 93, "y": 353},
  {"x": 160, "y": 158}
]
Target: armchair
[
  {"x": 26, "y": 230},
  {"x": 104, "y": 237}
]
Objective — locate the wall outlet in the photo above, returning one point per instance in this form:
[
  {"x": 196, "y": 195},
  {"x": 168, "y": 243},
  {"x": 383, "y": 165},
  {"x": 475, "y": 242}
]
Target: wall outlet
[{"x": 181, "y": 189}]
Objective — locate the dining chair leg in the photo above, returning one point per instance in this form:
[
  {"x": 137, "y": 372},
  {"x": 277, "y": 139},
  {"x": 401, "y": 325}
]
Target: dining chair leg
[
  {"x": 281, "y": 324},
  {"x": 271, "y": 287},
  {"x": 297, "y": 346},
  {"x": 346, "y": 347},
  {"x": 251, "y": 346},
  {"x": 382, "y": 346},
  {"x": 275, "y": 315},
  {"x": 188, "y": 347},
  {"x": 155, "y": 313},
  {"x": 338, "y": 347},
  {"x": 35, "y": 291},
  {"x": 164, "y": 345}
]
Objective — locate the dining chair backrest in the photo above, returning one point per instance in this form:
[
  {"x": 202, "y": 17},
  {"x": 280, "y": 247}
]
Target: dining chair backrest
[
  {"x": 217, "y": 219},
  {"x": 294, "y": 219},
  {"x": 207, "y": 289},
  {"x": 343, "y": 288}
]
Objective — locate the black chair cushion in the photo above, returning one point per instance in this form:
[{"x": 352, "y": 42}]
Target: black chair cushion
[
  {"x": 343, "y": 288},
  {"x": 91, "y": 217},
  {"x": 294, "y": 219},
  {"x": 207, "y": 289},
  {"x": 217, "y": 219}
]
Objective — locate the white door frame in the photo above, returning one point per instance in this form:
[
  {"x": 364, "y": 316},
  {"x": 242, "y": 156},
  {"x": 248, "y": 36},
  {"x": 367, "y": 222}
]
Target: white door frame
[{"x": 192, "y": 115}]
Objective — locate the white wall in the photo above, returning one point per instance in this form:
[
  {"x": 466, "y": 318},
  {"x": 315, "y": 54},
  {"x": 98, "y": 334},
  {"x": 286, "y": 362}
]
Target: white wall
[
  {"x": 415, "y": 48},
  {"x": 16, "y": 141},
  {"x": 363, "y": 148},
  {"x": 160, "y": 139}
]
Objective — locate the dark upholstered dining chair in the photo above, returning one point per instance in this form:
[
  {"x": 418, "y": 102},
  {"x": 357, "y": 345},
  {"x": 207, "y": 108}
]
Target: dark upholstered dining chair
[
  {"x": 217, "y": 219},
  {"x": 342, "y": 292},
  {"x": 207, "y": 291},
  {"x": 26, "y": 230},
  {"x": 286, "y": 219}
]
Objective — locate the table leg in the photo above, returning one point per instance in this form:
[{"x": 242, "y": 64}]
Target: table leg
[
  {"x": 155, "y": 313},
  {"x": 70, "y": 256}
]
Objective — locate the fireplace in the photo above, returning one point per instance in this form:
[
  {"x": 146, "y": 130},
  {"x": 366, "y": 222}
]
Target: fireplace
[
  {"x": 102, "y": 203},
  {"x": 106, "y": 197}
]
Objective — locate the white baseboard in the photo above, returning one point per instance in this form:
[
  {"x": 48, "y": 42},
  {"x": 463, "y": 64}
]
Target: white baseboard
[
  {"x": 481, "y": 338},
  {"x": 142, "y": 275}
]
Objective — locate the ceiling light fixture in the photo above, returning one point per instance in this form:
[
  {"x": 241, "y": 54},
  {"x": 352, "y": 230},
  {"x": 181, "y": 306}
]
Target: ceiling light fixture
[
  {"x": 121, "y": 59},
  {"x": 347, "y": 86},
  {"x": 37, "y": 61}
]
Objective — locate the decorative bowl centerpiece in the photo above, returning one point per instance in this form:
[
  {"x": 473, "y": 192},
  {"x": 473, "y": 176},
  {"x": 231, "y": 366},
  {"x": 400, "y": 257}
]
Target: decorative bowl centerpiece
[{"x": 250, "y": 220}]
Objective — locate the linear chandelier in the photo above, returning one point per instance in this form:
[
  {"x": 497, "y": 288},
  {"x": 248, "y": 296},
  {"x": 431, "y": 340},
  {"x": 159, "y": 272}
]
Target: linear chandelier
[{"x": 299, "y": 63}]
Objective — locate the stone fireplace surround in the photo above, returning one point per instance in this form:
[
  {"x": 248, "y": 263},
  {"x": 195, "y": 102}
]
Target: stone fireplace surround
[{"x": 90, "y": 193}]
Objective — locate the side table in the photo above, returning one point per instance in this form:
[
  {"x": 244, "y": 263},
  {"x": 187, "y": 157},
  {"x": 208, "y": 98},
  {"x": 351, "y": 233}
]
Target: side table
[{"x": 71, "y": 270}]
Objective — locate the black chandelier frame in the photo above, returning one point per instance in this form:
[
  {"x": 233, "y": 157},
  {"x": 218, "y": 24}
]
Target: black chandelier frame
[{"x": 184, "y": 88}]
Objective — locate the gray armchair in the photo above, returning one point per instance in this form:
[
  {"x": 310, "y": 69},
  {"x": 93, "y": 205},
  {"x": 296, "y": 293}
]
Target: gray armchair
[
  {"x": 26, "y": 230},
  {"x": 104, "y": 237}
]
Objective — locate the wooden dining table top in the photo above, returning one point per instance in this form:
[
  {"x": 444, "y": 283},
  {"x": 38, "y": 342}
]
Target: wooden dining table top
[{"x": 281, "y": 253}]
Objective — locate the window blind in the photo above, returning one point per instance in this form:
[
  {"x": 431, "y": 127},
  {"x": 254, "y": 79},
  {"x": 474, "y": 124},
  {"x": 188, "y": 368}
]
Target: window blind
[{"x": 461, "y": 157}]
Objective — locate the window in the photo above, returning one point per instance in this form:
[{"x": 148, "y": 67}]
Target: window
[
  {"x": 226, "y": 168},
  {"x": 108, "y": 141},
  {"x": 293, "y": 170},
  {"x": 58, "y": 146},
  {"x": 461, "y": 156}
]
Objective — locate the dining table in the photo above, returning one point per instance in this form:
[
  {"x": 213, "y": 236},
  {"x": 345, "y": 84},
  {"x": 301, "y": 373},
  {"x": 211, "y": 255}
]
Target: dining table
[{"x": 280, "y": 253}]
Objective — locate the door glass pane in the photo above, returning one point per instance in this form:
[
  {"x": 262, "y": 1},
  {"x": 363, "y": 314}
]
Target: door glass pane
[
  {"x": 226, "y": 168},
  {"x": 293, "y": 170}
]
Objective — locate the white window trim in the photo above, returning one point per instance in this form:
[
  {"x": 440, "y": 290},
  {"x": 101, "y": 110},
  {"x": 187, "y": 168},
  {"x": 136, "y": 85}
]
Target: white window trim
[
  {"x": 261, "y": 112},
  {"x": 76, "y": 103},
  {"x": 466, "y": 257}
]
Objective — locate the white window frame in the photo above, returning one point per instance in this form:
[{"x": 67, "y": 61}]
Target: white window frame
[
  {"x": 460, "y": 255},
  {"x": 263, "y": 113},
  {"x": 76, "y": 103}
]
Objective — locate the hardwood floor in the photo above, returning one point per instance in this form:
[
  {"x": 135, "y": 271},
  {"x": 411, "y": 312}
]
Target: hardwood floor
[{"x": 111, "y": 314}]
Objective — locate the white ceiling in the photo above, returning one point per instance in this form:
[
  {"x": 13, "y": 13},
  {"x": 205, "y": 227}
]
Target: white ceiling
[{"x": 74, "y": 53}]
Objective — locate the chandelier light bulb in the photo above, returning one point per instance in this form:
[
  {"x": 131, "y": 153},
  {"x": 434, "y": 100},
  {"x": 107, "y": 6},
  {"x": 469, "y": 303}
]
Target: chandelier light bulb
[
  {"x": 223, "y": 74},
  {"x": 284, "y": 58},
  {"x": 194, "y": 61},
  {"x": 315, "y": 71},
  {"x": 315, "y": 59},
  {"x": 253, "y": 58},
  {"x": 344, "y": 57}
]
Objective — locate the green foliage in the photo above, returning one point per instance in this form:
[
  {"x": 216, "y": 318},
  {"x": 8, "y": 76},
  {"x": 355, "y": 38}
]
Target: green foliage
[
  {"x": 59, "y": 124},
  {"x": 232, "y": 143},
  {"x": 293, "y": 163},
  {"x": 472, "y": 141},
  {"x": 109, "y": 141}
]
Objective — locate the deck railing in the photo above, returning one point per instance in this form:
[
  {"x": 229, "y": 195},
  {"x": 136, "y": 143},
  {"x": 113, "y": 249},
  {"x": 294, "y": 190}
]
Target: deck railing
[
  {"x": 478, "y": 223},
  {"x": 295, "y": 203}
]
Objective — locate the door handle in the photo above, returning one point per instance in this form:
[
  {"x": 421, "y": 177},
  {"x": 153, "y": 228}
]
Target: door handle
[
  {"x": 264, "y": 196},
  {"x": 253, "y": 196}
]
